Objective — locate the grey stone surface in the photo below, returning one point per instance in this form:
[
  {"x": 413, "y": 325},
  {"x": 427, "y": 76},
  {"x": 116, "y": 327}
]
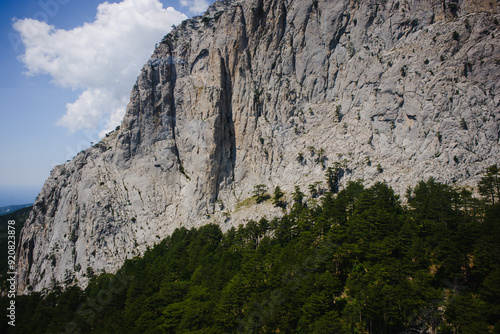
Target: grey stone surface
[{"x": 231, "y": 98}]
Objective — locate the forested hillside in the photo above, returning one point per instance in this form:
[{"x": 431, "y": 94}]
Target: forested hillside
[
  {"x": 358, "y": 261},
  {"x": 19, "y": 216},
  {"x": 273, "y": 92}
]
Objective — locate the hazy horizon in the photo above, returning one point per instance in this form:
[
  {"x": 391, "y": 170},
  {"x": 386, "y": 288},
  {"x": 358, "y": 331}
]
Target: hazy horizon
[{"x": 18, "y": 195}]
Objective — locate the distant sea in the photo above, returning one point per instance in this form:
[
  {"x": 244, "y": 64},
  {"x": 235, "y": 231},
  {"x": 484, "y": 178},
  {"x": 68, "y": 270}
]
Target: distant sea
[
  {"x": 13, "y": 195},
  {"x": 11, "y": 208}
]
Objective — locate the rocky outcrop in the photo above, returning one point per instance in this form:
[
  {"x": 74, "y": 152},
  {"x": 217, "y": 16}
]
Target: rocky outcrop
[{"x": 273, "y": 92}]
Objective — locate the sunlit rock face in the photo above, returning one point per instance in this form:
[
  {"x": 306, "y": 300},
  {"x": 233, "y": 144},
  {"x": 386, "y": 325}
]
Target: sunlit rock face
[{"x": 273, "y": 92}]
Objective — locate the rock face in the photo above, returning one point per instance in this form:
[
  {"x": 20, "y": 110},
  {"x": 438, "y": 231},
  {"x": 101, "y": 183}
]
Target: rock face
[{"x": 273, "y": 92}]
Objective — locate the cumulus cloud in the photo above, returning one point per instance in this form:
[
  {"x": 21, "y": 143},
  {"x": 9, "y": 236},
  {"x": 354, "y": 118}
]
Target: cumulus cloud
[
  {"x": 103, "y": 57},
  {"x": 195, "y": 6}
]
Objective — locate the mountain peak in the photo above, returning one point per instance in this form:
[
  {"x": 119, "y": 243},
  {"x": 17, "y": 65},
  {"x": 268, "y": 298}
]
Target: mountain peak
[{"x": 273, "y": 93}]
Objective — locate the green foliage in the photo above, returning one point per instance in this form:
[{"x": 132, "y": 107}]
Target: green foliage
[
  {"x": 260, "y": 193},
  {"x": 19, "y": 216},
  {"x": 403, "y": 71},
  {"x": 489, "y": 186},
  {"x": 298, "y": 199},
  {"x": 359, "y": 262},
  {"x": 315, "y": 189},
  {"x": 333, "y": 176},
  {"x": 463, "y": 124},
  {"x": 338, "y": 115},
  {"x": 300, "y": 158},
  {"x": 206, "y": 20},
  {"x": 312, "y": 150},
  {"x": 278, "y": 198},
  {"x": 256, "y": 96},
  {"x": 321, "y": 158}
]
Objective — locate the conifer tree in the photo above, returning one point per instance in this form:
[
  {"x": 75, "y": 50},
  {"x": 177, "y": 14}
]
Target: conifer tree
[{"x": 489, "y": 186}]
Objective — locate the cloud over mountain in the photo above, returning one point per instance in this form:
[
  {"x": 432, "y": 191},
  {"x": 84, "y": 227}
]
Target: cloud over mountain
[{"x": 102, "y": 57}]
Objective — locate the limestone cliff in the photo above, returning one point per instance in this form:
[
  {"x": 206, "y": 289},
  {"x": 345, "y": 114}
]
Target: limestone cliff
[{"x": 273, "y": 92}]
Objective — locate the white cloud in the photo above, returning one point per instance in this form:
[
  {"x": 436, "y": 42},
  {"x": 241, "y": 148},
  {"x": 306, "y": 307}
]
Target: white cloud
[
  {"x": 103, "y": 57},
  {"x": 195, "y": 6}
]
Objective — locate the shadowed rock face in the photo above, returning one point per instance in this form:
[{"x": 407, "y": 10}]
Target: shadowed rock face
[{"x": 393, "y": 91}]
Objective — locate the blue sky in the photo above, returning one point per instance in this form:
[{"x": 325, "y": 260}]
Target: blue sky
[{"x": 58, "y": 60}]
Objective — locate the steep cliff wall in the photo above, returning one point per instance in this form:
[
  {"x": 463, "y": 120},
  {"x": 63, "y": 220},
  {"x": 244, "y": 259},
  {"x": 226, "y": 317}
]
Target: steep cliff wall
[{"x": 273, "y": 92}]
